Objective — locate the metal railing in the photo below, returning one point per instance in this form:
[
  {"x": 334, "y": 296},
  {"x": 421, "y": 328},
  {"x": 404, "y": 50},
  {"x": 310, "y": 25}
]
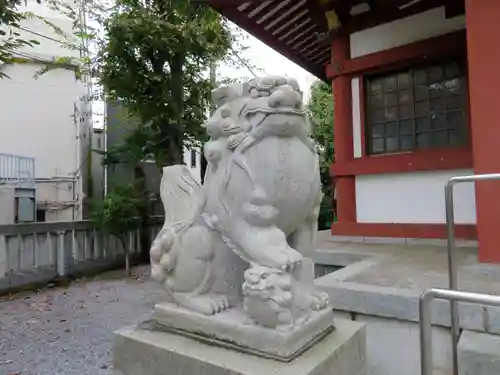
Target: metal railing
[
  {"x": 19, "y": 170},
  {"x": 39, "y": 252},
  {"x": 453, "y": 295}
]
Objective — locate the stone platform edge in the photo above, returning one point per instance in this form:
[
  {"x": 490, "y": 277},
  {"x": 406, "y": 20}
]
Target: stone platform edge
[{"x": 391, "y": 302}]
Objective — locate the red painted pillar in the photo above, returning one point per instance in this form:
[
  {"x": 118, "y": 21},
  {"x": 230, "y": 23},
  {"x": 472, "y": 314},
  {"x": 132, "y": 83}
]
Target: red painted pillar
[
  {"x": 483, "y": 51},
  {"x": 343, "y": 137}
]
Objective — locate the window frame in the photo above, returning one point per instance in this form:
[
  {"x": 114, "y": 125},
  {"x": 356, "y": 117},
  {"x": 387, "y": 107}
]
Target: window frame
[{"x": 367, "y": 79}]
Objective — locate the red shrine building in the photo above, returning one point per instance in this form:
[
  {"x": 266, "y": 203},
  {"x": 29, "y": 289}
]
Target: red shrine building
[{"x": 416, "y": 88}]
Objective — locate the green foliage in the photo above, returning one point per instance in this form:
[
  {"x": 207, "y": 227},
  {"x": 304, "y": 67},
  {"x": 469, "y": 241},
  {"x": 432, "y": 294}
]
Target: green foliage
[
  {"x": 119, "y": 214},
  {"x": 325, "y": 213},
  {"x": 137, "y": 145},
  {"x": 152, "y": 56},
  {"x": 10, "y": 33},
  {"x": 13, "y": 44},
  {"x": 320, "y": 108},
  {"x": 154, "y": 59}
]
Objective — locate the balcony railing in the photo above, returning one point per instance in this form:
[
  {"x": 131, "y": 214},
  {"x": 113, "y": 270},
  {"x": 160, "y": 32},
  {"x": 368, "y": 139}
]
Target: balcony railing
[{"x": 17, "y": 170}]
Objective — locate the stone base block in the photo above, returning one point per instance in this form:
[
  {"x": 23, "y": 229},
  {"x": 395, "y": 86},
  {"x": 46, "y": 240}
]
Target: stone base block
[
  {"x": 478, "y": 354},
  {"x": 143, "y": 352},
  {"x": 232, "y": 329}
]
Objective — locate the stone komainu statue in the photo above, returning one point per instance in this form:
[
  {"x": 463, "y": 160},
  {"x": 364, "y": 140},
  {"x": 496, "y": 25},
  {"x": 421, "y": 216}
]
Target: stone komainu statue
[{"x": 260, "y": 199}]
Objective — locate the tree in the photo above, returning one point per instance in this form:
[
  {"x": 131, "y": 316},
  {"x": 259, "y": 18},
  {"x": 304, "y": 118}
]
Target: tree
[
  {"x": 154, "y": 60},
  {"x": 320, "y": 108},
  {"x": 11, "y": 40},
  {"x": 152, "y": 56},
  {"x": 119, "y": 214}
]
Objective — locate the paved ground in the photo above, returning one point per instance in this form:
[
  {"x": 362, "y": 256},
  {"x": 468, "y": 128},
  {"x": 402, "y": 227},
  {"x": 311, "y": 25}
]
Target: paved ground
[
  {"x": 68, "y": 331},
  {"x": 428, "y": 268},
  {"x": 417, "y": 267}
]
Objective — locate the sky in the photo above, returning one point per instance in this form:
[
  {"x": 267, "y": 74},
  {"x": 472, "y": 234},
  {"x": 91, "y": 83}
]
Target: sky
[
  {"x": 268, "y": 62},
  {"x": 263, "y": 58}
]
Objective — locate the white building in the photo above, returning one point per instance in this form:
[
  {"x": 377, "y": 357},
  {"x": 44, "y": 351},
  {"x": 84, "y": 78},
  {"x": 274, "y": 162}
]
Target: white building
[{"x": 49, "y": 118}]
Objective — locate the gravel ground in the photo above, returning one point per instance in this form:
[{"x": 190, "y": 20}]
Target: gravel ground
[{"x": 68, "y": 331}]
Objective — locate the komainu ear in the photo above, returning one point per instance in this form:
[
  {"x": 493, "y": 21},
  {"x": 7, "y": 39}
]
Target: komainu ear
[{"x": 225, "y": 94}]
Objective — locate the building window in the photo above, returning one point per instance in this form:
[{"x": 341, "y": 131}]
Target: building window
[
  {"x": 41, "y": 216},
  {"x": 193, "y": 158},
  {"x": 24, "y": 210},
  {"x": 417, "y": 109}
]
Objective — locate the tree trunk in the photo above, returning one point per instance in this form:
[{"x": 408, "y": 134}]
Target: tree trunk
[
  {"x": 173, "y": 133},
  {"x": 123, "y": 241},
  {"x": 142, "y": 191}
]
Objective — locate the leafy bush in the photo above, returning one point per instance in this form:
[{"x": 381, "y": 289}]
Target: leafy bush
[
  {"x": 119, "y": 214},
  {"x": 320, "y": 108}
]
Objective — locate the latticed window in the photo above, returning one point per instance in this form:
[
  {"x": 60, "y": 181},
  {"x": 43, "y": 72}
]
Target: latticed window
[{"x": 416, "y": 109}]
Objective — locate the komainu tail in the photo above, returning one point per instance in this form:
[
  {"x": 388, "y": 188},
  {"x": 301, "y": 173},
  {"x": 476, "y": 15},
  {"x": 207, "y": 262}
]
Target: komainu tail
[{"x": 180, "y": 195}]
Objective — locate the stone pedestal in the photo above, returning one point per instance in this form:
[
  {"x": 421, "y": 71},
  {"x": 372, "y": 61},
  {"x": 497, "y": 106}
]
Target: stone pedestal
[
  {"x": 143, "y": 352},
  {"x": 233, "y": 330}
]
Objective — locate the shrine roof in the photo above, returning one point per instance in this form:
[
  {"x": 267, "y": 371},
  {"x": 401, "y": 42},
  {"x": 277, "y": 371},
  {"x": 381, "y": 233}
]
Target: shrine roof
[{"x": 300, "y": 29}]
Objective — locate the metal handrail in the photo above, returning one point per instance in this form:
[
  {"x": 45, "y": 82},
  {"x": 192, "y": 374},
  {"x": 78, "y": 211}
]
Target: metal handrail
[
  {"x": 425, "y": 319},
  {"x": 452, "y": 266}
]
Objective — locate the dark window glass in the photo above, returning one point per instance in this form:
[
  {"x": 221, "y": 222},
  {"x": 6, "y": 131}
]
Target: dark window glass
[
  {"x": 40, "y": 215},
  {"x": 417, "y": 109}
]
